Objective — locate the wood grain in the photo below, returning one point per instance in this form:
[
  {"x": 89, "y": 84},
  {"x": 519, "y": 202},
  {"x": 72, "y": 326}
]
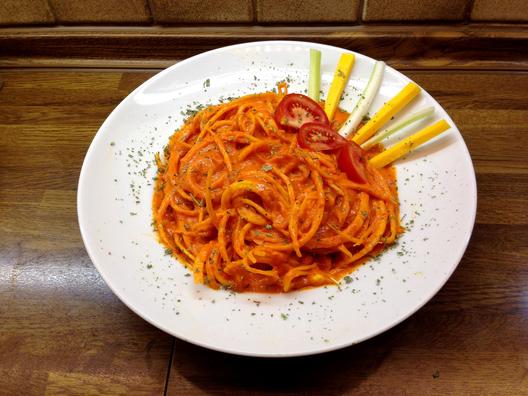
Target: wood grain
[
  {"x": 62, "y": 331},
  {"x": 404, "y": 47}
]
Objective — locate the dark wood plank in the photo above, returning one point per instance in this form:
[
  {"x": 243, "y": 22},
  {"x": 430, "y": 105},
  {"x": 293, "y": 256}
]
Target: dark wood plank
[
  {"x": 492, "y": 277},
  {"x": 437, "y": 46},
  {"x": 62, "y": 331},
  {"x": 490, "y": 109}
]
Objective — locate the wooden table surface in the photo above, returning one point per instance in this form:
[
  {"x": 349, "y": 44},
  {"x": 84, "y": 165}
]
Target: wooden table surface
[{"x": 62, "y": 331}]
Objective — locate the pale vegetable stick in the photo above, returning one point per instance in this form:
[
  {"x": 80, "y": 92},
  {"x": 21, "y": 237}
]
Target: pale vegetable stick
[
  {"x": 388, "y": 110},
  {"x": 314, "y": 80},
  {"x": 408, "y": 144},
  {"x": 365, "y": 100},
  {"x": 342, "y": 72},
  {"x": 418, "y": 116}
]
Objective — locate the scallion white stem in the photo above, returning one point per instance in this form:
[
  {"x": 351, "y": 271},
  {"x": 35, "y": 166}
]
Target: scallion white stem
[
  {"x": 365, "y": 100},
  {"x": 314, "y": 81},
  {"x": 420, "y": 115}
]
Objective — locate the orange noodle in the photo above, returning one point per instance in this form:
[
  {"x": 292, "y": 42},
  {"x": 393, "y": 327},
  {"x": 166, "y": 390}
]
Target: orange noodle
[{"x": 245, "y": 208}]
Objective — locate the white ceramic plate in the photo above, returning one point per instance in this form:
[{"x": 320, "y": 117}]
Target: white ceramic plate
[{"x": 438, "y": 204}]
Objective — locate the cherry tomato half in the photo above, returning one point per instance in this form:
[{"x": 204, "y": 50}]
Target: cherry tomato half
[
  {"x": 295, "y": 110},
  {"x": 318, "y": 136},
  {"x": 350, "y": 160}
]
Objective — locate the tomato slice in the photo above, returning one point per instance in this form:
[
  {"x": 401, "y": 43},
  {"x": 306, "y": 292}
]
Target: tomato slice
[
  {"x": 295, "y": 110},
  {"x": 351, "y": 160},
  {"x": 318, "y": 136}
]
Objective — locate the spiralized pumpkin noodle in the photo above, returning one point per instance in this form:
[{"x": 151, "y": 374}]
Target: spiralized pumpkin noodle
[{"x": 243, "y": 207}]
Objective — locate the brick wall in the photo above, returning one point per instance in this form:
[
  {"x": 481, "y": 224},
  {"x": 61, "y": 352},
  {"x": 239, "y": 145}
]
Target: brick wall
[{"x": 257, "y": 12}]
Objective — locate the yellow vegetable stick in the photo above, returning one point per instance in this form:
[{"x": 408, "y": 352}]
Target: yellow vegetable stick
[
  {"x": 406, "y": 145},
  {"x": 344, "y": 66},
  {"x": 389, "y": 109}
]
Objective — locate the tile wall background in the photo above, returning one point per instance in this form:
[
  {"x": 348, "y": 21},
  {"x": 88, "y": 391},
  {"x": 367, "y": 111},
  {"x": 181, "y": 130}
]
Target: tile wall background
[{"x": 257, "y": 12}]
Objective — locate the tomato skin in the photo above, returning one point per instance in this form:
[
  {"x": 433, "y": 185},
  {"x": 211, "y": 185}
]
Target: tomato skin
[
  {"x": 318, "y": 136},
  {"x": 351, "y": 160},
  {"x": 294, "y": 110}
]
